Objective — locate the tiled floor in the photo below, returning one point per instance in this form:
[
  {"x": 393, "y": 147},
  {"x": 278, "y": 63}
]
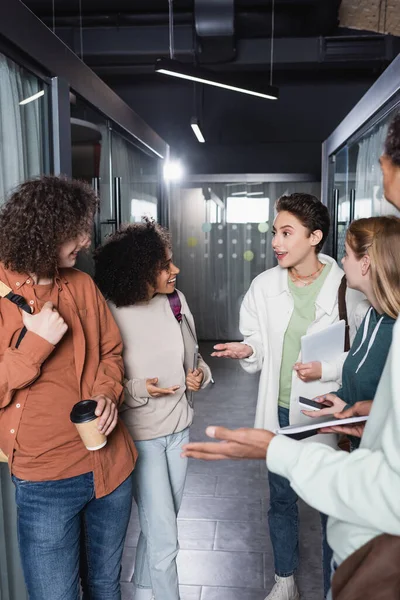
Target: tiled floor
[{"x": 225, "y": 549}]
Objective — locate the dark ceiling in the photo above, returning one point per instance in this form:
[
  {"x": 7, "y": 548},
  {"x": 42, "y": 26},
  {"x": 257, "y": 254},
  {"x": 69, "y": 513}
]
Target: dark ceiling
[{"x": 121, "y": 38}]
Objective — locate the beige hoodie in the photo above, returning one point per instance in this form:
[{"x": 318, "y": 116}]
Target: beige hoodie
[{"x": 153, "y": 347}]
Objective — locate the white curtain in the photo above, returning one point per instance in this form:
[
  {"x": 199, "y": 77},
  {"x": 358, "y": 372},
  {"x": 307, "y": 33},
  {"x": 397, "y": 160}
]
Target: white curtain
[
  {"x": 21, "y": 143},
  {"x": 219, "y": 260},
  {"x": 370, "y": 200}
]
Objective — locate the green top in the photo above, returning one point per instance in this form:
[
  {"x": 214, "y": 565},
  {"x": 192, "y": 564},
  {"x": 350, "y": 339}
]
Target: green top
[
  {"x": 303, "y": 315},
  {"x": 364, "y": 364}
]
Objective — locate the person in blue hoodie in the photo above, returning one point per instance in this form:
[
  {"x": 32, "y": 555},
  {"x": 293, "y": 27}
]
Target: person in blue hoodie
[{"x": 372, "y": 266}]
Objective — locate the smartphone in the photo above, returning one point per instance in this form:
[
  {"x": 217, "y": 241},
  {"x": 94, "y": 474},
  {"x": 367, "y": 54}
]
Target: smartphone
[{"x": 311, "y": 404}]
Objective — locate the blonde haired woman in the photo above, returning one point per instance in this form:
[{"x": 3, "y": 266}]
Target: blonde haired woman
[{"x": 372, "y": 266}]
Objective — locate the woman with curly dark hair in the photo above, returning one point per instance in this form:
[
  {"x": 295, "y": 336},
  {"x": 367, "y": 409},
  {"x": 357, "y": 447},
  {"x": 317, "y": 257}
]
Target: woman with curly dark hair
[
  {"x": 135, "y": 272},
  {"x": 68, "y": 349}
]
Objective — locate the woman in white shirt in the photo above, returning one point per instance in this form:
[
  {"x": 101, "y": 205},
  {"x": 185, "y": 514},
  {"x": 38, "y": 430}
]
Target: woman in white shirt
[{"x": 298, "y": 296}]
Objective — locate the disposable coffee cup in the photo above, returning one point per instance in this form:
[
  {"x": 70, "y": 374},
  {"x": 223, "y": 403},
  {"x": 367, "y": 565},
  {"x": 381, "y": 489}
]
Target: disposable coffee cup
[{"x": 86, "y": 421}]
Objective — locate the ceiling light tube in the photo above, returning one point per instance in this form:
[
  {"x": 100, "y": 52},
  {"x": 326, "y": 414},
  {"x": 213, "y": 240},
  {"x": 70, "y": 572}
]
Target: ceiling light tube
[
  {"x": 238, "y": 193},
  {"x": 167, "y": 66},
  {"x": 255, "y": 193},
  {"x": 31, "y": 98},
  {"x": 195, "y": 125}
]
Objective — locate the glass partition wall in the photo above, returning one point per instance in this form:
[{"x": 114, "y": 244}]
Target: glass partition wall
[
  {"x": 124, "y": 174},
  {"x": 355, "y": 189}
]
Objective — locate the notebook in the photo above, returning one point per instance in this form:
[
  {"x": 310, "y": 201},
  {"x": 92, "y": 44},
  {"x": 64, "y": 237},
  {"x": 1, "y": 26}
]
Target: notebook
[
  {"x": 299, "y": 432},
  {"x": 190, "y": 344},
  {"x": 191, "y": 351},
  {"x": 326, "y": 345}
]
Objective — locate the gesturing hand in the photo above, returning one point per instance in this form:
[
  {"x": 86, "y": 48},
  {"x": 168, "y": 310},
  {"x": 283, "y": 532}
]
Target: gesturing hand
[
  {"x": 236, "y": 444},
  {"x": 233, "y": 350},
  {"x": 194, "y": 379},
  {"x": 335, "y": 403},
  {"x": 108, "y": 413},
  {"x": 48, "y": 323},
  {"x": 308, "y": 371},
  {"x": 156, "y": 392}
]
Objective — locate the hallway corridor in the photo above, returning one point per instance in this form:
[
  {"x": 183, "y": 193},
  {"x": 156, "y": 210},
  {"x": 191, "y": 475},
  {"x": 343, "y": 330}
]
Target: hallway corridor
[{"x": 225, "y": 551}]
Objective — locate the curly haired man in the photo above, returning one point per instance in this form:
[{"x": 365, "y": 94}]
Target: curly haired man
[{"x": 73, "y": 505}]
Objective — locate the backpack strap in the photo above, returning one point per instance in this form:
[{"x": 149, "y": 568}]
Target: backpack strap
[
  {"x": 343, "y": 311},
  {"x": 176, "y": 305}
]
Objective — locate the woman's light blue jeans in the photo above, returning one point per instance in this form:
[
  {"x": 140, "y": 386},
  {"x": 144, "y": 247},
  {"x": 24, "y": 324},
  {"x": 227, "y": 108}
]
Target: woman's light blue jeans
[{"x": 158, "y": 482}]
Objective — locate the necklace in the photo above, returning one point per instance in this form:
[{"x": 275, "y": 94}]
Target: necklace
[{"x": 301, "y": 278}]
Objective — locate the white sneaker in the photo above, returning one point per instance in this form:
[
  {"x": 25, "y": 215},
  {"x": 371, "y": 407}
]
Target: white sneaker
[{"x": 285, "y": 588}]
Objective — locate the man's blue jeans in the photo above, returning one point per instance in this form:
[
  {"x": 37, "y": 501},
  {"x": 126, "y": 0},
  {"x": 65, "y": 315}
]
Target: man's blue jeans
[
  {"x": 283, "y": 520},
  {"x": 64, "y": 533}
]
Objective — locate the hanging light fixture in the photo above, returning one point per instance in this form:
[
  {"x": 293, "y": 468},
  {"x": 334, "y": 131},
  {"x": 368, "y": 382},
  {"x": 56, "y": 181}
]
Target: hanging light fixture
[
  {"x": 180, "y": 70},
  {"x": 195, "y": 125},
  {"x": 173, "y": 68}
]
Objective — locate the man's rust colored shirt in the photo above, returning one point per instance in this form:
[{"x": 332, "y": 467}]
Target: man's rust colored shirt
[{"x": 39, "y": 383}]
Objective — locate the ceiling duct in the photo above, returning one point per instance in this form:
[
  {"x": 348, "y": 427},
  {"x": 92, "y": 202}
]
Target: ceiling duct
[{"x": 215, "y": 29}]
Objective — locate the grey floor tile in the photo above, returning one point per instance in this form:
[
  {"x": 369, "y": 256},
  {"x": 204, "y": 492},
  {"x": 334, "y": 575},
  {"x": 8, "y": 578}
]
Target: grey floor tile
[
  {"x": 128, "y": 563},
  {"x": 226, "y": 509},
  {"x": 222, "y": 593},
  {"x": 200, "y": 485},
  {"x": 190, "y": 592},
  {"x": 310, "y": 569},
  {"x": 242, "y": 537},
  {"x": 242, "y": 486},
  {"x": 226, "y": 467},
  {"x": 269, "y": 572},
  {"x": 196, "y": 535},
  {"x": 214, "y": 568}
]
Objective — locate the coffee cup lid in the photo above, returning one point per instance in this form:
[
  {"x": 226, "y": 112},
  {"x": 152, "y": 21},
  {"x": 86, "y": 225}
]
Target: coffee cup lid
[{"x": 83, "y": 411}]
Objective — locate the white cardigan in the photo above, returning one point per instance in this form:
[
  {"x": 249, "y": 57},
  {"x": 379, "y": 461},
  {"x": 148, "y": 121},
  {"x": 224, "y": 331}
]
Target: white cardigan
[{"x": 264, "y": 317}]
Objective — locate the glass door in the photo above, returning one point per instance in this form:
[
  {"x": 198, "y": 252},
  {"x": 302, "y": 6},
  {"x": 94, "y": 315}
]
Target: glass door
[
  {"x": 90, "y": 136},
  {"x": 136, "y": 187}
]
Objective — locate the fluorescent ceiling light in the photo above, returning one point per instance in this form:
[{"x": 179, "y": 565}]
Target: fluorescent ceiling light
[
  {"x": 167, "y": 66},
  {"x": 255, "y": 193},
  {"x": 238, "y": 193},
  {"x": 31, "y": 98},
  {"x": 195, "y": 125}
]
